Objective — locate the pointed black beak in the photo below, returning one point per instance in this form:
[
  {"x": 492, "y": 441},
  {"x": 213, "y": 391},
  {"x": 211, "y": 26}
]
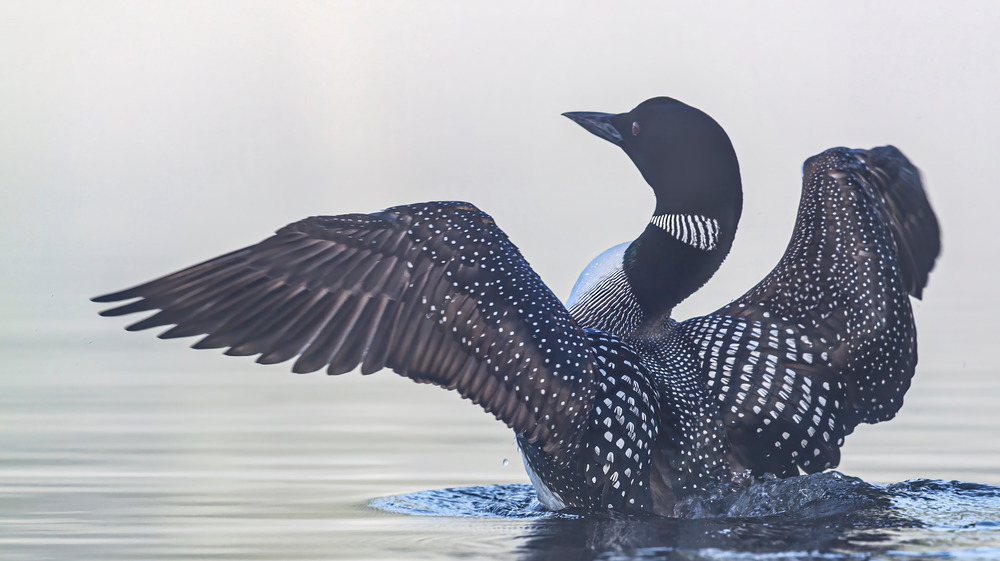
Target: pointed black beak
[{"x": 597, "y": 123}]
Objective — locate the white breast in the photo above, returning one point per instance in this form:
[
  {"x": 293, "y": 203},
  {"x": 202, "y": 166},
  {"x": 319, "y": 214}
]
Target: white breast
[{"x": 604, "y": 265}]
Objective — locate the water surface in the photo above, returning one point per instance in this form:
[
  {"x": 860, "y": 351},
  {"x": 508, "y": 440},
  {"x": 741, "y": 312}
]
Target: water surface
[{"x": 146, "y": 450}]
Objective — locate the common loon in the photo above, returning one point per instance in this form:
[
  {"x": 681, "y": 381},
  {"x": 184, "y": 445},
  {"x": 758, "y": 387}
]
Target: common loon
[{"x": 614, "y": 404}]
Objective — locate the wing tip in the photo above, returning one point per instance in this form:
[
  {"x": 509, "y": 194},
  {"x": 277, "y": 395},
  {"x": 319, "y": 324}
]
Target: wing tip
[
  {"x": 126, "y": 294},
  {"x": 111, "y": 312},
  {"x": 912, "y": 220},
  {"x": 915, "y": 224}
]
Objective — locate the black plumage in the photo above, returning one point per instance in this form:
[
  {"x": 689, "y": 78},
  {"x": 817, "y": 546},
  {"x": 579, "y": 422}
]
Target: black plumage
[{"x": 614, "y": 404}]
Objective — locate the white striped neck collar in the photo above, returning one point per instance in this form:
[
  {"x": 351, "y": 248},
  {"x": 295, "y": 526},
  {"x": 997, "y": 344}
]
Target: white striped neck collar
[{"x": 693, "y": 229}]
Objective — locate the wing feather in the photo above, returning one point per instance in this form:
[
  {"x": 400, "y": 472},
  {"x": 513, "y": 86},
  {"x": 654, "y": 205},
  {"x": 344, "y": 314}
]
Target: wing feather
[
  {"x": 831, "y": 326},
  {"x": 434, "y": 291}
]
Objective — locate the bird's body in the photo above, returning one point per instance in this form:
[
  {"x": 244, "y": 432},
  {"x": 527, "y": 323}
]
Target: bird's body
[
  {"x": 826, "y": 341},
  {"x": 615, "y": 405}
]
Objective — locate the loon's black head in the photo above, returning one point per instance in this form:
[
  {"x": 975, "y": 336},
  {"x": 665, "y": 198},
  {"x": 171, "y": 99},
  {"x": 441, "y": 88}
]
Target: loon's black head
[
  {"x": 688, "y": 160},
  {"x": 684, "y": 155}
]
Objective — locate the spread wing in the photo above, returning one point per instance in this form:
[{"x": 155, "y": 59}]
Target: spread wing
[
  {"x": 434, "y": 291},
  {"x": 827, "y": 339}
]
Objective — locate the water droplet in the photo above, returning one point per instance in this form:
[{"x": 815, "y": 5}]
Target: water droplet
[{"x": 506, "y": 462}]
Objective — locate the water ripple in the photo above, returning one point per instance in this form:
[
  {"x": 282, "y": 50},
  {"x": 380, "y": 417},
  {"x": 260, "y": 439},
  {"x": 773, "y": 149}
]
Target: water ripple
[{"x": 822, "y": 516}]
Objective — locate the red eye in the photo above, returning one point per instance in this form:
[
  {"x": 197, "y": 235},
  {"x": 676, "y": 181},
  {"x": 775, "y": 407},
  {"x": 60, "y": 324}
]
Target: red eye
[{"x": 635, "y": 128}]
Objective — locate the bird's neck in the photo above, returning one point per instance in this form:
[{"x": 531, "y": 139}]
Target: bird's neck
[
  {"x": 674, "y": 256},
  {"x": 631, "y": 289}
]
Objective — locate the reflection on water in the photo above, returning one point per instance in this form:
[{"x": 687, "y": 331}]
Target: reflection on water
[{"x": 150, "y": 452}]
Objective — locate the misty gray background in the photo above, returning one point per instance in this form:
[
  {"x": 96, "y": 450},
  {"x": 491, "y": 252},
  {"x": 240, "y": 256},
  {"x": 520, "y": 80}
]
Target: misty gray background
[{"x": 137, "y": 138}]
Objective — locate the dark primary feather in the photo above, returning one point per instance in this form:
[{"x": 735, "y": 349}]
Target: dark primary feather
[
  {"x": 911, "y": 219},
  {"x": 433, "y": 291}
]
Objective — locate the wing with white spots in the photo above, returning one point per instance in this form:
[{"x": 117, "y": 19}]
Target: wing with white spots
[
  {"x": 827, "y": 339},
  {"x": 434, "y": 291},
  {"x": 779, "y": 401}
]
